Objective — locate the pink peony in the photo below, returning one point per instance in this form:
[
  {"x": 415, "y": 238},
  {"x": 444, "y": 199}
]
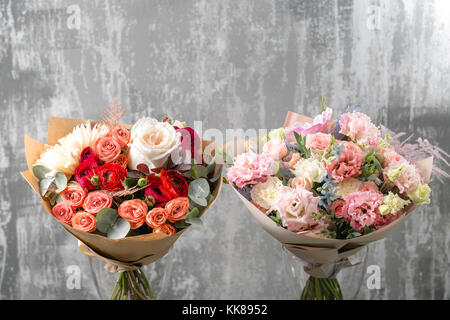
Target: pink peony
[
  {"x": 296, "y": 206},
  {"x": 361, "y": 208},
  {"x": 348, "y": 164},
  {"x": 276, "y": 149},
  {"x": 250, "y": 168},
  {"x": 319, "y": 141},
  {"x": 409, "y": 177},
  {"x": 359, "y": 127}
]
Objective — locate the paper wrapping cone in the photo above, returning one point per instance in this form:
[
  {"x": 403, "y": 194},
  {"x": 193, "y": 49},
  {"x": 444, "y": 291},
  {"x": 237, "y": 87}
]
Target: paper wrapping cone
[
  {"x": 318, "y": 251},
  {"x": 125, "y": 253}
]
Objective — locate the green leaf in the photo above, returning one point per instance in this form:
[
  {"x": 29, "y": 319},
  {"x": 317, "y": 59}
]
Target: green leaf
[
  {"x": 192, "y": 214},
  {"x": 198, "y": 171},
  {"x": 119, "y": 229},
  {"x": 181, "y": 224},
  {"x": 45, "y": 184},
  {"x": 199, "y": 188},
  {"x": 106, "y": 218},
  {"x": 195, "y": 222},
  {"x": 61, "y": 182},
  {"x": 210, "y": 167},
  {"x": 40, "y": 171},
  {"x": 130, "y": 182},
  {"x": 217, "y": 175}
]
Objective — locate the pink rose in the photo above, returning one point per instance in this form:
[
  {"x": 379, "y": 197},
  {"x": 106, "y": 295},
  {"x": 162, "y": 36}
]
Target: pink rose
[
  {"x": 108, "y": 149},
  {"x": 359, "y": 127},
  {"x": 319, "y": 141},
  {"x": 302, "y": 182},
  {"x": 361, "y": 209},
  {"x": 296, "y": 206},
  {"x": 276, "y": 149},
  {"x": 348, "y": 164},
  {"x": 96, "y": 201},
  {"x": 74, "y": 195},
  {"x": 250, "y": 168}
]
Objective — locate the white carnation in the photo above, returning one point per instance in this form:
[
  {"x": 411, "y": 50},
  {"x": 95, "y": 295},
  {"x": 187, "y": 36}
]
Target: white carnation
[{"x": 264, "y": 194}]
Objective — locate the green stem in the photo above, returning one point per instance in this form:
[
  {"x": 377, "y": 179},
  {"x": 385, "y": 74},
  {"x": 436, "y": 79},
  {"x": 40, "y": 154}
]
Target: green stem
[
  {"x": 134, "y": 285},
  {"x": 321, "y": 289},
  {"x": 117, "y": 288},
  {"x": 144, "y": 278}
]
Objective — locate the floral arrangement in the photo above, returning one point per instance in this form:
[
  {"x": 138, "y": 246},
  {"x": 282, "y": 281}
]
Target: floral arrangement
[
  {"x": 117, "y": 182},
  {"x": 328, "y": 179}
]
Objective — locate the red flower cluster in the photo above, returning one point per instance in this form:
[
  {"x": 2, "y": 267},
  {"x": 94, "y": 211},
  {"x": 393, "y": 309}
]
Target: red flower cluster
[{"x": 165, "y": 187}]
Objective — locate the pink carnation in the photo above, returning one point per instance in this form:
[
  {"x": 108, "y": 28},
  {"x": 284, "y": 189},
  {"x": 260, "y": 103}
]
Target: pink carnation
[
  {"x": 296, "y": 206},
  {"x": 382, "y": 221},
  {"x": 409, "y": 177},
  {"x": 361, "y": 209},
  {"x": 250, "y": 168},
  {"x": 348, "y": 164},
  {"x": 359, "y": 127}
]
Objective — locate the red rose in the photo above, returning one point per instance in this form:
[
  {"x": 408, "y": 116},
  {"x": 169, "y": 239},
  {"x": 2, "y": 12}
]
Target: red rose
[
  {"x": 83, "y": 174},
  {"x": 88, "y": 155},
  {"x": 175, "y": 183},
  {"x": 110, "y": 176},
  {"x": 156, "y": 193}
]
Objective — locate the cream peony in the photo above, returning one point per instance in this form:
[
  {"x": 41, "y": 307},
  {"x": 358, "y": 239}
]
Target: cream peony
[
  {"x": 151, "y": 143},
  {"x": 65, "y": 155},
  {"x": 263, "y": 194},
  {"x": 310, "y": 168}
]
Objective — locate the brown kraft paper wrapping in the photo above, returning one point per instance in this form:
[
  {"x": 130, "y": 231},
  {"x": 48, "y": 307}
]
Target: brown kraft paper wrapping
[
  {"x": 126, "y": 253},
  {"x": 321, "y": 252}
]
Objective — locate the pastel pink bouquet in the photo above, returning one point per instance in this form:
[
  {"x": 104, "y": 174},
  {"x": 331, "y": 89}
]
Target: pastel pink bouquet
[{"x": 329, "y": 183}]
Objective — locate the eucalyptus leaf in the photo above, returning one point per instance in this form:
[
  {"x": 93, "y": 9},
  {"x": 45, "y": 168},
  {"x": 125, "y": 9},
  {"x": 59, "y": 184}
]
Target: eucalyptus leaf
[
  {"x": 210, "y": 167},
  {"x": 119, "y": 229},
  {"x": 181, "y": 224},
  {"x": 45, "y": 184},
  {"x": 199, "y": 201},
  {"x": 199, "y": 188},
  {"x": 217, "y": 175},
  {"x": 198, "y": 171},
  {"x": 106, "y": 218},
  {"x": 195, "y": 222},
  {"x": 192, "y": 214},
  {"x": 40, "y": 171},
  {"x": 61, "y": 182}
]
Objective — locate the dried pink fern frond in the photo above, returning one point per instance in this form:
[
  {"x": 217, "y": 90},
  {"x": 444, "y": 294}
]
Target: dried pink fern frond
[
  {"x": 418, "y": 150},
  {"x": 113, "y": 113}
]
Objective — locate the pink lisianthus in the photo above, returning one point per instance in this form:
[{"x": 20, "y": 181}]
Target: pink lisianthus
[
  {"x": 382, "y": 221},
  {"x": 320, "y": 124},
  {"x": 409, "y": 177},
  {"x": 296, "y": 206},
  {"x": 390, "y": 155},
  {"x": 348, "y": 164},
  {"x": 276, "y": 149},
  {"x": 250, "y": 168},
  {"x": 361, "y": 209},
  {"x": 360, "y": 128}
]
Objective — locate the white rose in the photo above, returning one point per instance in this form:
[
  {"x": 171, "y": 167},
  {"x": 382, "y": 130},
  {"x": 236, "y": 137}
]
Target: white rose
[
  {"x": 151, "y": 143},
  {"x": 310, "y": 168}
]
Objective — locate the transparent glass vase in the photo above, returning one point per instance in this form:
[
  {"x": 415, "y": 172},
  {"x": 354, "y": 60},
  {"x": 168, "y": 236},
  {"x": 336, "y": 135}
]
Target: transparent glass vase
[
  {"x": 350, "y": 279},
  {"x": 158, "y": 274}
]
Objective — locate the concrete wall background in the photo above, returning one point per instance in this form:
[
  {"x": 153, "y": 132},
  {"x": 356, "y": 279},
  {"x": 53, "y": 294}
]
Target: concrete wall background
[{"x": 231, "y": 64}]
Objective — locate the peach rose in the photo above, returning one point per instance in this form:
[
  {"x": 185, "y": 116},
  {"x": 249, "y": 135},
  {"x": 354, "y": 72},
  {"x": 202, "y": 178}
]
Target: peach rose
[
  {"x": 134, "y": 211},
  {"x": 293, "y": 161},
  {"x": 390, "y": 155},
  {"x": 276, "y": 149},
  {"x": 96, "y": 201},
  {"x": 121, "y": 160},
  {"x": 337, "y": 207},
  {"x": 74, "y": 195},
  {"x": 156, "y": 217},
  {"x": 177, "y": 209},
  {"x": 319, "y": 141},
  {"x": 108, "y": 149},
  {"x": 165, "y": 228},
  {"x": 63, "y": 212},
  {"x": 121, "y": 135},
  {"x": 303, "y": 182},
  {"x": 84, "y": 221}
]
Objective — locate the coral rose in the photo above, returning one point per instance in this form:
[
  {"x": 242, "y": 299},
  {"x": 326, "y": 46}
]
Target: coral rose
[
  {"x": 84, "y": 221},
  {"x": 121, "y": 135},
  {"x": 165, "y": 228},
  {"x": 121, "y": 160},
  {"x": 63, "y": 212},
  {"x": 134, "y": 211},
  {"x": 156, "y": 217},
  {"x": 108, "y": 149},
  {"x": 177, "y": 209},
  {"x": 319, "y": 141},
  {"x": 96, "y": 201},
  {"x": 74, "y": 195},
  {"x": 337, "y": 207}
]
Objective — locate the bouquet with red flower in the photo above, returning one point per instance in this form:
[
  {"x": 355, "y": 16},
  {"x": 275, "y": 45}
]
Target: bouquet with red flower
[{"x": 126, "y": 192}]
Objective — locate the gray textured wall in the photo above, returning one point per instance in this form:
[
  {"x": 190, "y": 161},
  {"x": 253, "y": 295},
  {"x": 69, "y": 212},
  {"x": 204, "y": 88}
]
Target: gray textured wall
[{"x": 232, "y": 64}]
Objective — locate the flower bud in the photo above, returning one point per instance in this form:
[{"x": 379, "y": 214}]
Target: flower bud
[
  {"x": 393, "y": 174},
  {"x": 142, "y": 182}
]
